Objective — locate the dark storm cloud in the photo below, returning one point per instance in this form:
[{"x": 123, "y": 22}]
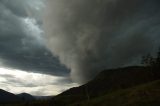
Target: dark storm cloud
[
  {"x": 92, "y": 35},
  {"x": 16, "y": 6},
  {"x": 21, "y": 46}
]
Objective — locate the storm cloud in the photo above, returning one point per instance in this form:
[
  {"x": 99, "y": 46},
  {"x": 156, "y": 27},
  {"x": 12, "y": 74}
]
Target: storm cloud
[
  {"x": 91, "y": 35},
  {"x": 21, "y": 38}
]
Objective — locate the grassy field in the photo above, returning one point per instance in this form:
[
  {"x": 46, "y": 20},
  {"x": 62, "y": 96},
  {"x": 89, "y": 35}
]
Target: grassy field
[{"x": 143, "y": 95}]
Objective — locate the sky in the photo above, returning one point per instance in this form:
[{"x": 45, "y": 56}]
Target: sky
[
  {"x": 26, "y": 65},
  {"x": 48, "y": 46},
  {"x": 93, "y": 35}
]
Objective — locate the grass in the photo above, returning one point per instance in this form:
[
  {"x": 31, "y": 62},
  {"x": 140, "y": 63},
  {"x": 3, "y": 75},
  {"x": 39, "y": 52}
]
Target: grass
[{"x": 143, "y": 95}]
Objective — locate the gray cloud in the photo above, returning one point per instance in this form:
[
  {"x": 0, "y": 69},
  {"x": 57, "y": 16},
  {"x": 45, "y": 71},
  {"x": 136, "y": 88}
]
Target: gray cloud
[
  {"x": 16, "y": 6},
  {"x": 12, "y": 80},
  {"x": 38, "y": 84},
  {"x": 15, "y": 81},
  {"x": 92, "y": 35},
  {"x": 21, "y": 45}
]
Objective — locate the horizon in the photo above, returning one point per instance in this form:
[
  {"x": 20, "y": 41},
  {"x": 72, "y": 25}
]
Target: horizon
[{"x": 49, "y": 46}]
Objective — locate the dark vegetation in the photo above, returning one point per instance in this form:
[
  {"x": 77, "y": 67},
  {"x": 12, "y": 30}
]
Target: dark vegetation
[
  {"x": 26, "y": 97},
  {"x": 6, "y": 97},
  {"x": 147, "y": 94},
  {"x": 153, "y": 63},
  {"x": 129, "y": 86}
]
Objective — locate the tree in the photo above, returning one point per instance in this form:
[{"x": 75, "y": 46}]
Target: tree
[
  {"x": 158, "y": 58},
  {"x": 148, "y": 60},
  {"x": 152, "y": 63}
]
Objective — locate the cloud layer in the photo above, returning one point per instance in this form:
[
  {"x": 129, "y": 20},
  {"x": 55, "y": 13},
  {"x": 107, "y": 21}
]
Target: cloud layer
[
  {"x": 17, "y": 81},
  {"x": 21, "y": 38},
  {"x": 92, "y": 35}
]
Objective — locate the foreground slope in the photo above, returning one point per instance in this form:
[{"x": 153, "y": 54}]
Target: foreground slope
[
  {"x": 143, "y": 95},
  {"x": 106, "y": 82}
]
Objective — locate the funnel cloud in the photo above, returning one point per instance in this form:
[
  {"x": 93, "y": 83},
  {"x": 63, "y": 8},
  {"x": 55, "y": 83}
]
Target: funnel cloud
[{"x": 91, "y": 35}]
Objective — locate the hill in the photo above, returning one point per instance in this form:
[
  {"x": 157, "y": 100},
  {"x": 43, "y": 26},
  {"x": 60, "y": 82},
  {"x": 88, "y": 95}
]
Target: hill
[
  {"x": 106, "y": 82},
  {"x": 129, "y": 86},
  {"x": 7, "y": 97},
  {"x": 26, "y": 97},
  {"x": 142, "y": 95}
]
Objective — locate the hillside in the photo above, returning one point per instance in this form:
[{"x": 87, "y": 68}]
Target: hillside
[
  {"x": 106, "y": 82},
  {"x": 26, "y": 97},
  {"x": 7, "y": 97},
  {"x": 129, "y": 86},
  {"x": 142, "y": 95}
]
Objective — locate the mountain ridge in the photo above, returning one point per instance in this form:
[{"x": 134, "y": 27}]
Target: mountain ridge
[
  {"x": 26, "y": 97},
  {"x": 115, "y": 85},
  {"x": 106, "y": 82},
  {"x": 7, "y": 97}
]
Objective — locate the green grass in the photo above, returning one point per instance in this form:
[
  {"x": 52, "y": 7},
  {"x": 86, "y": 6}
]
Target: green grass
[{"x": 143, "y": 95}]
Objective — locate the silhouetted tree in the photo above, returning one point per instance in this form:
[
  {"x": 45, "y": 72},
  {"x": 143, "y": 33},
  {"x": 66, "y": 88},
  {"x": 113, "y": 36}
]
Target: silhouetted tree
[
  {"x": 158, "y": 59},
  {"x": 152, "y": 63},
  {"x": 148, "y": 60}
]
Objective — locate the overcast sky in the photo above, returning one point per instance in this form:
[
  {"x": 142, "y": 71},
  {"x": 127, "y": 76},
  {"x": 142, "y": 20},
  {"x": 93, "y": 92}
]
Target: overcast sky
[
  {"x": 47, "y": 46},
  {"x": 92, "y": 35},
  {"x": 22, "y": 48}
]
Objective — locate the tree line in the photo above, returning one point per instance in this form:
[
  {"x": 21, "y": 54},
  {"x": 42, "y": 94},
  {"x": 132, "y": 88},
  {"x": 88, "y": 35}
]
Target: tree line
[{"x": 153, "y": 63}]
